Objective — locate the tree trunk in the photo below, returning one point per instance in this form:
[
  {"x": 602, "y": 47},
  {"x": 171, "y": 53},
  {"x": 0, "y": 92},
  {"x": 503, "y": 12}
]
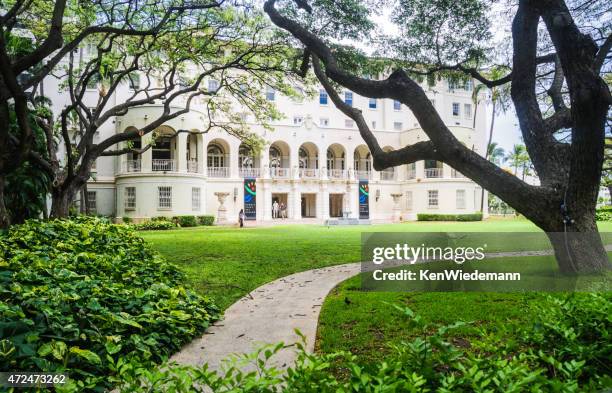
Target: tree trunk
[
  {"x": 487, "y": 150},
  {"x": 5, "y": 219},
  {"x": 61, "y": 200}
]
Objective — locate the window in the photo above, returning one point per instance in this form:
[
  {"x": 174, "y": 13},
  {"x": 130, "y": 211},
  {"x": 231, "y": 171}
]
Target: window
[
  {"x": 408, "y": 200},
  {"x": 397, "y": 106},
  {"x": 374, "y": 124},
  {"x": 195, "y": 198},
  {"x": 452, "y": 85},
  {"x": 348, "y": 98},
  {"x": 456, "y": 109},
  {"x": 467, "y": 111},
  {"x": 348, "y": 123},
  {"x": 299, "y": 97},
  {"x": 298, "y": 120},
  {"x": 468, "y": 85},
  {"x": 323, "y": 97},
  {"x": 324, "y": 122},
  {"x": 164, "y": 197},
  {"x": 460, "y": 199},
  {"x": 91, "y": 201},
  {"x": 215, "y": 156},
  {"x": 372, "y": 103},
  {"x": 397, "y": 125},
  {"x": 213, "y": 86},
  {"x": 134, "y": 81},
  {"x": 270, "y": 94},
  {"x": 432, "y": 198},
  {"x": 130, "y": 198}
]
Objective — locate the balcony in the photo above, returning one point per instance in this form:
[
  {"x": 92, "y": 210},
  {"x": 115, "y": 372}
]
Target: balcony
[
  {"x": 308, "y": 173},
  {"x": 163, "y": 165},
  {"x": 387, "y": 175},
  {"x": 131, "y": 166},
  {"x": 218, "y": 172},
  {"x": 433, "y": 173},
  {"x": 280, "y": 173},
  {"x": 337, "y": 174},
  {"x": 411, "y": 174},
  {"x": 249, "y": 173},
  {"x": 363, "y": 175}
]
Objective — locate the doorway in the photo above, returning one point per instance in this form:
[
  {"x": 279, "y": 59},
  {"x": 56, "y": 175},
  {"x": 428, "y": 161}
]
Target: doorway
[
  {"x": 335, "y": 205},
  {"x": 279, "y": 206},
  {"x": 309, "y": 205}
]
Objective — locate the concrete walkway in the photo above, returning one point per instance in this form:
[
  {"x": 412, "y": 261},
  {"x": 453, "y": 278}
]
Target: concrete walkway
[
  {"x": 272, "y": 312},
  {"x": 269, "y": 315}
]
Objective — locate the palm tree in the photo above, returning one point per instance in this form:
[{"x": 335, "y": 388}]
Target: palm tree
[
  {"x": 495, "y": 153},
  {"x": 517, "y": 157}
]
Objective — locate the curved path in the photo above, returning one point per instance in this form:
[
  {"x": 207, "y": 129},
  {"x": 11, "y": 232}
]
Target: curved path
[{"x": 272, "y": 312}]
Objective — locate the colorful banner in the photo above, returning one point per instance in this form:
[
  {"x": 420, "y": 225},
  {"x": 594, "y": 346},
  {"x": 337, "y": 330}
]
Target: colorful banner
[
  {"x": 364, "y": 199},
  {"x": 250, "y": 199}
]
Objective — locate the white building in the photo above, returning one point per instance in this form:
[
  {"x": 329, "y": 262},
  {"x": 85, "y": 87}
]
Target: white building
[{"x": 313, "y": 162}]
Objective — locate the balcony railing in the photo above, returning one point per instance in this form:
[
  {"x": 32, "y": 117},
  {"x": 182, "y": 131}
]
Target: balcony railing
[
  {"x": 130, "y": 166},
  {"x": 433, "y": 173},
  {"x": 309, "y": 173},
  {"x": 163, "y": 165},
  {"x": 192, "y": 166},
  {"x": 280, "y": 173},
  {"x": 363, "y": 175},
  {"x": 387, "y": 175},
  {"x": 250, "y": 172},
  {"x": 218, "y": 171},
  {"x": 337, "y": 173}
]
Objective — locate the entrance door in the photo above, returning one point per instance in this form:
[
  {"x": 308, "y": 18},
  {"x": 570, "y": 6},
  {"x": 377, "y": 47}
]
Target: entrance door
[
  {"x": 280, "y": 202},
  {"x": 335, "y": 205},
  {"x": 309, "y": 205}
]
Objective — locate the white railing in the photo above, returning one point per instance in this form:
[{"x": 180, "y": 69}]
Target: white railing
[
  {"x": 363, "y": 175},
  {"x": 432, "y": 173},
  {"x": 337, "y": 173},
  {"x": 132, "y": 166},
  {"x": 163, "y": 165},
  {"x": 387, "y": 175},
  {"x": 411, "y": 174},
  {"x": 456, "y": 174},
  {"x": 218, "y": 171},
  {"x": 279, "y": 173},
  {"x": 192, "y": 166},
  {"x": 250, "y": 172},
  {"x": 308, "y": 173}
]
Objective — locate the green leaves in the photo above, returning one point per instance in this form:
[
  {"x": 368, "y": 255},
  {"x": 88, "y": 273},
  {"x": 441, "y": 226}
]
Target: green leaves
[{"x": 85, "y": 295}]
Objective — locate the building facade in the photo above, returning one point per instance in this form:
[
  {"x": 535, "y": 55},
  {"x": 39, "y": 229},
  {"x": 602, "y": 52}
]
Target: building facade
[{"x": 314, "y": 163}]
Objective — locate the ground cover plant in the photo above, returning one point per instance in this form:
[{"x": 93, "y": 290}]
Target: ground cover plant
[
  {"x": 434, "y": 358},
  {"x": 91, "y": 297}
]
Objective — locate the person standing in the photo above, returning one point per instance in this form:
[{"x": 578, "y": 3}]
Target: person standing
[
  {"x": 241, "y": 218},
  {"x": 275, "y": 209}
]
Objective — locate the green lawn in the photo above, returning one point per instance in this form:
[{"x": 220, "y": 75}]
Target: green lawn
[{"x": 226, "y": 263}]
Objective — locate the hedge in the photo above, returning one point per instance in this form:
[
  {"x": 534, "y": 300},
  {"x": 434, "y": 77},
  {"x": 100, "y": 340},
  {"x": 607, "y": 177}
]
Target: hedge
[
  {"x": 185, "y": 221},
  {"x": 206, "y": 220},
  {"x": 449, "y": 217},
  {"x": 154, "y": 225},
  {"x": 91, "y": 298},
  {"x": 604, "y": 213}
]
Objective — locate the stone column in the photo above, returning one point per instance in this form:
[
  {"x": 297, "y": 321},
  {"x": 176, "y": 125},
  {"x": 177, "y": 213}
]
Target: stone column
[
  {"x": 222, "y": 210},
  {"x": 200, "y": 153},
  {"x": 266, "y": 200},
  {"x": 397, "y": 210},
  {"x": 264, "y": 162},
  {"x": 180, "y": 158},
  {"x": 323, "y": 206},
  {"x": 295, "y": 201},
  {"x": 233, "y": 160},
  {"x": 353, "y": 199},
  {"x": 146, "y": 158}
]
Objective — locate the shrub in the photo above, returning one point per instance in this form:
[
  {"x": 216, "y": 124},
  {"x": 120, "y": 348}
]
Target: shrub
[
  {"x": 89, "y": 297},
  {"x": 185, "y": 221},
  {"x": 155, "y": 225},
  {"x": 449, "y": 217},
  {"x": 161, "y": 218},
  {"x": 604, "y": 213},
  {"x": 206, "y": 220},
  {"x": 126, "y": 220}
]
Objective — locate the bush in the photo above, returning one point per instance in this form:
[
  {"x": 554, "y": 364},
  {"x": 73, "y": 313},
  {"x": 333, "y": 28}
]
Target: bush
[
  {"x": 449, "y": 217},
  {"x": 161, "y": 218},
  {"x": 604, "y": 213},
  {"x": 89, "y": 297},
  {"x": 126, "y": 220},
  {"x": 185, "y": 221},
  {"x": 206, "y": 220},
  {"x": 155, "y": 225}
]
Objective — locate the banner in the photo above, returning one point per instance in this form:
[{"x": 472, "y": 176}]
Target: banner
[
  {"x": 250, "y": 199},
  {"x": 364, "y": 199}
]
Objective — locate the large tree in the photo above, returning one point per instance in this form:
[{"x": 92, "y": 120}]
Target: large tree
[
  {"x": 569, "y": 45},
  {"x": 36, "y": 35}
]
